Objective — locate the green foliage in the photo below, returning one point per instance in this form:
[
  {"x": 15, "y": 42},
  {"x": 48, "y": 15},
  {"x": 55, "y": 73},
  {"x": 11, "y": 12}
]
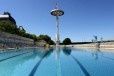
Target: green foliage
[
  {"x": 8, "y": 26},
  {"x": 21, "y": 32},
  {"x": 31, "y": 36},
  {"x": 66, "y": 41},
  {"x": 45, "y": 38},
  {"x": 51, "y": 42}
]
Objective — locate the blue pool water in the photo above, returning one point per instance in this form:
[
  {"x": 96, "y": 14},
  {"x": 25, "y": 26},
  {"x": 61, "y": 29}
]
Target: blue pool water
[{"x": 56, "y": 62}]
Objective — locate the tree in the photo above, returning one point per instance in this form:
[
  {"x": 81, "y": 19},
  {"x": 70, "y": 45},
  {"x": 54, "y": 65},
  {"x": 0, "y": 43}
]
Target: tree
[
  {"x": 8, "y": 26},
  {"x": 66, "y": 41},
  {"x": 45, "y": 38},
  {"x": 21, "y": 31}
]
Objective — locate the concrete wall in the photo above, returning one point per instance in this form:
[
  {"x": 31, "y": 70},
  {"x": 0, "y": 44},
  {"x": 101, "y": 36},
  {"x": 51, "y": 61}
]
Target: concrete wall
[
  {"x": 107, "y": 45},
  {"x": 12, "y": 41},
  {"x": 103, "y": 45}
]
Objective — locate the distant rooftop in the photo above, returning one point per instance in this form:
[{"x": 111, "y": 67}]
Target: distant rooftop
[
  {"x": 4, "y": 16},
  {"x": 7, "y": 16}
]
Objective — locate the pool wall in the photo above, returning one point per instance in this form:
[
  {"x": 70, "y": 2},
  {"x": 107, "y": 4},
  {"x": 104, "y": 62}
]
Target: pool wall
[{"x": 104, "y": 45}]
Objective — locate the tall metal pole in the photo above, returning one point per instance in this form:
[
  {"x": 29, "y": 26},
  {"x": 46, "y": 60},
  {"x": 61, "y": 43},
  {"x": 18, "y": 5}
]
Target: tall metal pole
[
  {"x": 58, "y": 36},
  {"x": 57, "y": 12}
]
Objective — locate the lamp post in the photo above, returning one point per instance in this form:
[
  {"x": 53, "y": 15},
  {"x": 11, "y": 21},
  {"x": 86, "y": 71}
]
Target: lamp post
[{"x": 57, "y": 12}]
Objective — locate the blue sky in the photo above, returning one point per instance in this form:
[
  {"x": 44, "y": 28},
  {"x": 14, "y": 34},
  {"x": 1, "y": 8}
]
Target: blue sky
[{"x": 82, "y": 18}]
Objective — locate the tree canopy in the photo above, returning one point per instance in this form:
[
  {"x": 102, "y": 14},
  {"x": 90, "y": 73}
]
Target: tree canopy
[
  {"x": 67, "y": 41},
  {"x": 45, "y": 38},
  {"x": 8, "y": 26}
]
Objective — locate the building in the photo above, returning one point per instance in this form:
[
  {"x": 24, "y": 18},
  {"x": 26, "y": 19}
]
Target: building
[{"x": 7, "y": 16}]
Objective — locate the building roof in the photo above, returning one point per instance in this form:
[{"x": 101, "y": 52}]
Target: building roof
[
  {"x": 4, "y": 16},
  {"x": 7, "y": 15}
]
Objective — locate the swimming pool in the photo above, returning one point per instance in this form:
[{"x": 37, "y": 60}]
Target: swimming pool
[{"x": 56, "y": 62}]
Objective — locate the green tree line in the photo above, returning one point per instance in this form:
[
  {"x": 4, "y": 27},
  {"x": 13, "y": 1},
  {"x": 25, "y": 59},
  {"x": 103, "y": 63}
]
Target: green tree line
[{"x": 9, "y": 27}]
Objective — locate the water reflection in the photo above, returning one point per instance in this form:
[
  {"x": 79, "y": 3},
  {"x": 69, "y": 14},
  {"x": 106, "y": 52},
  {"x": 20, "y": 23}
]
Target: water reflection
[
  {"x": 50, "y": 50},
  {"x": 21, "y": 57},
  {"x": 13, "y": 54},
  {"x": 95, "y": 54},
  {"x": 11, "y": 66},
  {"x": 58, "y": 63},
  {"x": 67, "y": 51},
  {"x": 45, "y": 53},
  {"x": 104, "y": 55}
]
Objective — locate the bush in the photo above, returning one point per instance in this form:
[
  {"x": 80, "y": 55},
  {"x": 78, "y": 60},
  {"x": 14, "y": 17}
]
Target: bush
[{"x": 66, "y": 41}]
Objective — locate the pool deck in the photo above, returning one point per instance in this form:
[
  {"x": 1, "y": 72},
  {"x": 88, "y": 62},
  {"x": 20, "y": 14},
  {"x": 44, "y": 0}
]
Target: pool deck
[
  {"x": 89, "y": 46},
  {"x": 103, "y": 45},
  {"x": 77, "y": 46}
]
